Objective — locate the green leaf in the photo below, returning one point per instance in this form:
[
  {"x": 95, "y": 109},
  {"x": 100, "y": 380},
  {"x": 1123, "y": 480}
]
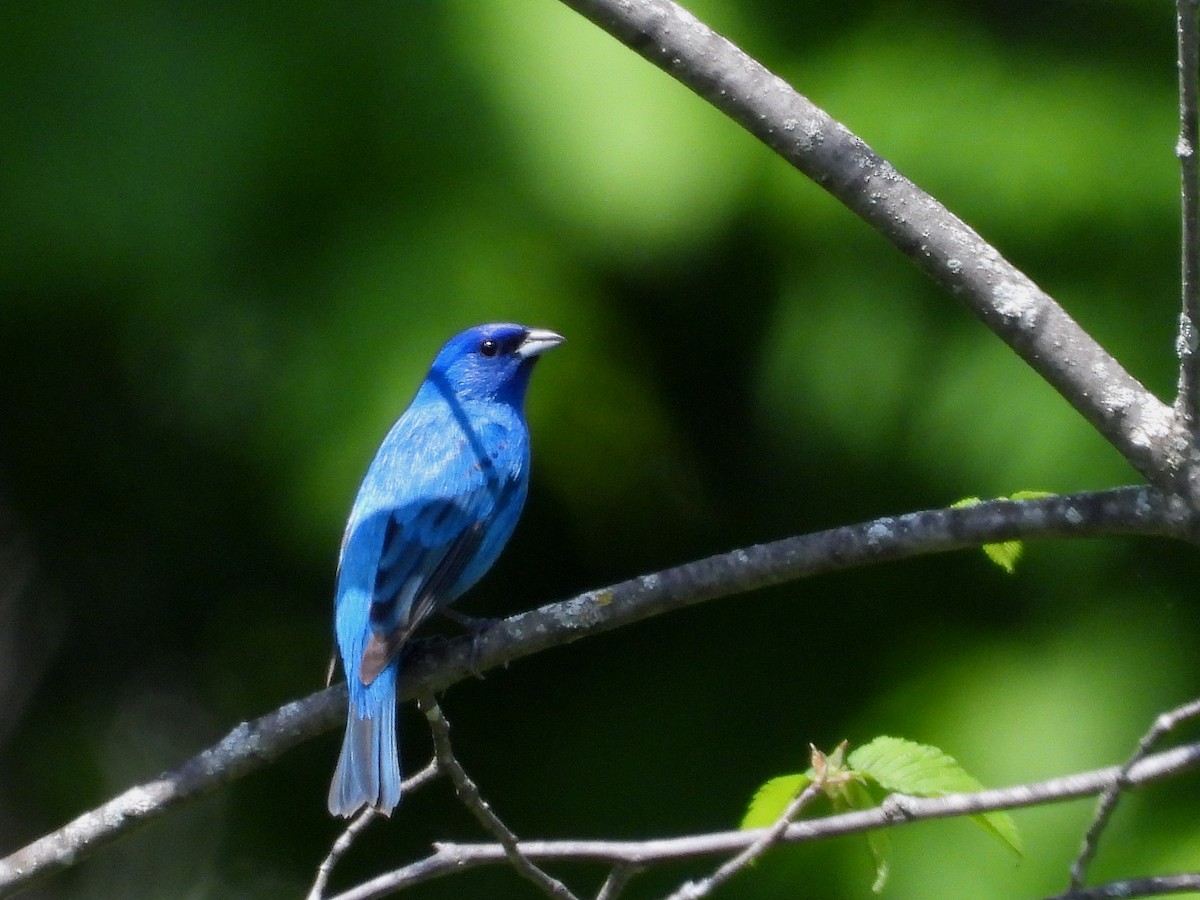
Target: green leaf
[
  {"x": 772, "y": 799},
  {"x": 857, "y": 796},
  {"x": 910, "y": 768},
  {"x": 1005, "y": 553},
  {"x": 897, "y": 765}
]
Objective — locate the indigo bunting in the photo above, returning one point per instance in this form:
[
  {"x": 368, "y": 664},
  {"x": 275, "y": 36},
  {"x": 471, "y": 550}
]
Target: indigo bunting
[{"x": 436, "y": 507}]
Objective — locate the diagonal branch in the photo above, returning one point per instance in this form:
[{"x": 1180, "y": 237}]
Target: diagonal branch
[
  {"x": 617, "y": 879},
  {"x": 941, "y": 244},
  {"x": 468, "y": 794},
  {"x": 359, "y": 824},
  {"x": 451, "y": 858},
  {"x": 249, "y": 746},
  {"x": 1129, "y": 510},
  {"x": 1163, "y": 724}
]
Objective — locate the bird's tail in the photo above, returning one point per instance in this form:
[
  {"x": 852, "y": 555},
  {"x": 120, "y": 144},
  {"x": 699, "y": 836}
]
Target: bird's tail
[{"x": 368, "y": 770}]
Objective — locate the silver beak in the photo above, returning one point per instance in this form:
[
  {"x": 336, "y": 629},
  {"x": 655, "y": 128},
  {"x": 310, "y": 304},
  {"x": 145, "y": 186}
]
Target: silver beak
[{"x": 537, "y": 341}]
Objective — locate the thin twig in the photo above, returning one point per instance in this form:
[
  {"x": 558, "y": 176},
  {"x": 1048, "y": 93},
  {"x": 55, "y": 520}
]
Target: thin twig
[
  {"x": 695, "y": 890},
  {"x": 451, "y": 858},
  {"x": 345, "y": 840},
  {"x": 617, "y": 879},
  {"x": 1165, "y": 723},
  {"x": 251, "y": 745},
  {"x": 1186, "y": 148},
  {"x": 469, "y": 794},
  {"x": 1154, "y": 886},
  {"x": 359, "y": 824}
]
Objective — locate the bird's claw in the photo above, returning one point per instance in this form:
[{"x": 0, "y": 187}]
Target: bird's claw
[{"x": 476, "y": 626}]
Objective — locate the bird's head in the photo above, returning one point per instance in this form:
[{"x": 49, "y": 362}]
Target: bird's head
[{"x": 492, "y": 362}]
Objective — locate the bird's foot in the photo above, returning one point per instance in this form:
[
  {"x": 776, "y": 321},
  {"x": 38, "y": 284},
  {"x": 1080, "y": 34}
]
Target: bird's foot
[{"x": 476, "y": 627}]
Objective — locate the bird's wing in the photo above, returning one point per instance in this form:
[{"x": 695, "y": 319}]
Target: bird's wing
[
  {"x": 427, "y": 547},
  {"x": 402, "y": 602},
  {"x": 424, "y": 553}
]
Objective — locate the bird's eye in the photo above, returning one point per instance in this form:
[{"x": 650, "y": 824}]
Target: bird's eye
[{"x": 489, "y": 348}]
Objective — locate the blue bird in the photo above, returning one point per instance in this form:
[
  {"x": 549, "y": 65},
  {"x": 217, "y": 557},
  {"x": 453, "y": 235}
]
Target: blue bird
[{"x": 437, "y": 505}]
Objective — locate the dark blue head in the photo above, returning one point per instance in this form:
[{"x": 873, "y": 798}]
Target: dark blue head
[{"x": 491, "y": 362}]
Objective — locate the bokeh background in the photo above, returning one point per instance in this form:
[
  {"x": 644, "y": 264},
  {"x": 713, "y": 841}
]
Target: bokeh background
[{"x": 232, "y": 236}]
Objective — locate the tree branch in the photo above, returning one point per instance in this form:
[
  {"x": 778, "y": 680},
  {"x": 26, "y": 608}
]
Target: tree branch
[
  {"x": 249, "y": 746},
  {"x": 469, "y": 794},
  {"x": 1129, "y": 510},
  {"x": 1186, "y": 148},
  {"x": 1155, "y": 886},
  {"x": 1163, "y": 724},
  {"x": 617, "y": 879},
  {"x": 695, "y": 890},
  {"x": 941, "y": 244},
  {"x": 450, "y": 858},
  {"x": 437, "y": 666},
  {"x": 359, "y": 824}
]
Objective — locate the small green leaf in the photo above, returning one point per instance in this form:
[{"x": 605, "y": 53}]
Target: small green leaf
[
  {"x": 905, "y": 767},
  {"x": 1001, "y": 824},
  {"x": 910, "y": 768},
  {"x": 1004, "y": 554},
  {"x": 1030, "y": 495},
  {"x": 772, "y": 799}
]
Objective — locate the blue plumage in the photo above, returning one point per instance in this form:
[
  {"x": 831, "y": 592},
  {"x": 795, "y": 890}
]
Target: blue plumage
[{"x": 436, "y": 507}]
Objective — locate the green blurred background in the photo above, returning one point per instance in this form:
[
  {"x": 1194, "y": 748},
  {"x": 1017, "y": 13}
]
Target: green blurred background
[{"x": 233, "y": 235}]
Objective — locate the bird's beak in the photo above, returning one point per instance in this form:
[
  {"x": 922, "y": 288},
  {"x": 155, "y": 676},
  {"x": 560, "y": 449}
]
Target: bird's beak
[{"x": 537, "y": 341}]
